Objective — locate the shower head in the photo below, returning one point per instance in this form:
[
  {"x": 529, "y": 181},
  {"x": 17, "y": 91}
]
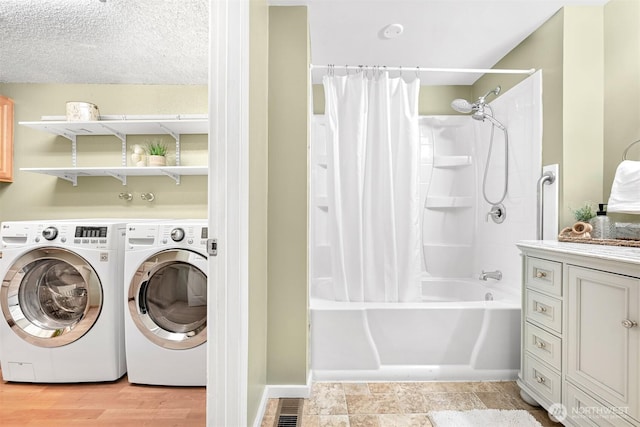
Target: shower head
[
  {"x": 477, "y": 108},
  {"x": 461, "y": 106},
  {"x": 495, "y": 91}
]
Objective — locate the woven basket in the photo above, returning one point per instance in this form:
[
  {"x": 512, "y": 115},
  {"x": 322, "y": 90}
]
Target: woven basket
[{"x": 609, "y": 242}]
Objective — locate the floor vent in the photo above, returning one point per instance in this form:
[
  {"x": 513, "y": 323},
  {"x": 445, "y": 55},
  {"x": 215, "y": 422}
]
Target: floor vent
[{"x": 289, "y": 413}]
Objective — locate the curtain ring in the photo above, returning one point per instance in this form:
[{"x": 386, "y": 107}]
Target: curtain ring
[
  {"x": 346, "y": 69},
  {"x": 417, "y": 72},
  {"x": 400, "y": 67}
]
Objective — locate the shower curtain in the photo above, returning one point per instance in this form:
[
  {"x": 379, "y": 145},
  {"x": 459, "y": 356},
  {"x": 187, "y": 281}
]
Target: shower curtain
[{"x": 373, "y": 147}]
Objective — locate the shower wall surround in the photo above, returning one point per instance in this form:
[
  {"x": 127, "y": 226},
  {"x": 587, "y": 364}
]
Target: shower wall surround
[{"x": 458, "y": 240}]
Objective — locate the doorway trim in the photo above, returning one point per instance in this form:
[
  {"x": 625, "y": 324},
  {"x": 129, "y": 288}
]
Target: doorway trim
[{"x": 227, "y": 355}]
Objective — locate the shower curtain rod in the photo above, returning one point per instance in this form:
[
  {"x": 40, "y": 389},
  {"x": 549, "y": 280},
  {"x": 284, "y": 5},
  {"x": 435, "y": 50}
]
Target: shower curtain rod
[{"x": 425, "y": 69}]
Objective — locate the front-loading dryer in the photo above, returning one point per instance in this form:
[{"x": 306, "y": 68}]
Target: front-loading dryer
[
  {"x": 61, "y": 301},
  {"x": 166, "y": 303}
]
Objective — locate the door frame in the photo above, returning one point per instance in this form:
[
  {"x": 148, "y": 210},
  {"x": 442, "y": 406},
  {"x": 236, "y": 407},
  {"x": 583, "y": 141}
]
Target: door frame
[{"x": 227, "y": 354}]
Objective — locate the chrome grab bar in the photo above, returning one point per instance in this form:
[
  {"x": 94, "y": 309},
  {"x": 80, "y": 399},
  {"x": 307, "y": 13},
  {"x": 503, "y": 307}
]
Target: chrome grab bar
[{"x": 547, "y": 178}]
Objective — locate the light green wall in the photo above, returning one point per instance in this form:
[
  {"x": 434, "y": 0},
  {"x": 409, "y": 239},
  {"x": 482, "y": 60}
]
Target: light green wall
[
  {"x": 583, "y": 81},
  {"x": 35, "y": 196},
  {"x": 258, "y": 152},
  {"x": 287, "y": 211},
  {"x": 621, "y": 89}
]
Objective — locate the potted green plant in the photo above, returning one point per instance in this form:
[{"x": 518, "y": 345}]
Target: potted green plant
[
  {"x": 584, "y": 213},
  {"x": 157, "y": 152}
]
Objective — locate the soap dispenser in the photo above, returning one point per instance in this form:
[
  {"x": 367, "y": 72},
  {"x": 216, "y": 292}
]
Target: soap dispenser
[{"x": 601, "y": 224}]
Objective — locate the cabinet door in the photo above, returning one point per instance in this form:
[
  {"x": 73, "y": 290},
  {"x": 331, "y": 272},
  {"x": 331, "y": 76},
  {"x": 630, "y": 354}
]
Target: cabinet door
[{"x": 602, "y": 336}]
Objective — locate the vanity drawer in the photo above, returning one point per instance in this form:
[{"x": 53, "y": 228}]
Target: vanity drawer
[
  {"x": 542, "y": 379},
  {"x": 544, "y": 275},
  {"x": 542, "y": 344},
  {"x": 544, "y": 310}
]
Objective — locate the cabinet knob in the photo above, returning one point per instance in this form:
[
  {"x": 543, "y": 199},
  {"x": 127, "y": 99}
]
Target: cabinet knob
[
  {"x": 540, "y": 344},
  {"x": 629, "y": 323},
  {"x": 540, "y": 379},
  {"x": 541, "y": 274},
  {"x": 541, "y": 309}
]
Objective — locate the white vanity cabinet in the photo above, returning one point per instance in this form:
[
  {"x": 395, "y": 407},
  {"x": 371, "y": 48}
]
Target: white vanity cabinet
[{"x": 581, "y": 339}]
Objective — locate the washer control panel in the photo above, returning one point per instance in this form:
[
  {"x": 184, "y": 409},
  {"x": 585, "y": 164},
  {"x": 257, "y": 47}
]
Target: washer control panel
[{"x": 57, "y": 233}]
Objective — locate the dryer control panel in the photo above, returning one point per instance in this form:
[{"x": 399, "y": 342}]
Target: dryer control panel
[{"x": 184, "y": 235}]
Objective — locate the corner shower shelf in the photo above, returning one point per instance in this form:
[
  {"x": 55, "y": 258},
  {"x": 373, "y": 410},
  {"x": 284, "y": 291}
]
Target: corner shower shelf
[
  {"x": 448, "y": 202},
  {"x": 451, "y": 161},
  {"x": 120, "y": 126}
]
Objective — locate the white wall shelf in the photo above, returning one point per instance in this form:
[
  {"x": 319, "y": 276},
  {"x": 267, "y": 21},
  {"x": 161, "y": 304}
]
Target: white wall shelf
[
  {"x": 120, "y": 127},
  {"x": 121, "y": 173}
]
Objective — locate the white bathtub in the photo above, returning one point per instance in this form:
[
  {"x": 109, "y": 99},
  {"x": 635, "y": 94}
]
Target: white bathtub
[{"x": 463, "y": 330}]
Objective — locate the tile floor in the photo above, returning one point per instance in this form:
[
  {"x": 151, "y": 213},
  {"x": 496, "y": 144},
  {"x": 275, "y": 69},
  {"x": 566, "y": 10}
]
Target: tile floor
[{"x": 401, "y": 404}]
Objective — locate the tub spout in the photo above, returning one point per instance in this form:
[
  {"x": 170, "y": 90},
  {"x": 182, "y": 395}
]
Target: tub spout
[{"x": 497, "y": 275}]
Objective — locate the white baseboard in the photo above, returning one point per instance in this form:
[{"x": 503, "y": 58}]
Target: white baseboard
[{"x": 281, "y": 391}]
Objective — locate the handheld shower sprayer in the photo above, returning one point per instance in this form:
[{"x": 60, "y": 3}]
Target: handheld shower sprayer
[
  {"x": 480, "y": 110},
  {"x": 477, "y": 108}
]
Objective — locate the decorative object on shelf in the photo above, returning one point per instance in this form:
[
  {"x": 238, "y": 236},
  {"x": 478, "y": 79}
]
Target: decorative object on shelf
[
  {"x": 82, "y": 111},
  {"x": 580, "y": 230},
  {"x": 627, "y": 230},
  {"x": 584, "y": 213},
  {"x": 157, "y": 152},
  {"x": 138, "y": 156},
  {"x": 577, "y": 235},
  {"x": 601, "y": 224},
  {"x": 6, "y": 139}
]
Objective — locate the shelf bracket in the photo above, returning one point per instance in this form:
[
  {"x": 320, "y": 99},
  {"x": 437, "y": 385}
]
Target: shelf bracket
[
  {"x": 174, "y": 176},
  {"x": 175, "y": 136},
  {"x": 119, "y": 135},
  {"x": 119, "y": 177},
  {"x": 73, "y": 179}
]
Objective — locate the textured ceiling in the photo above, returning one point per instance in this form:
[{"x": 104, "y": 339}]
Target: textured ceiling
[
  {"x": 166, "y": 41},
  {"x": 112, "y": 41}
]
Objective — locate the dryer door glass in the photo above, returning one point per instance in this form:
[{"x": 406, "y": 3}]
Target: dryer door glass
[
  {"x": 168, "y": 299},
  {"x": 51, "y": 297},
  {"x": 176, "y": 298}
]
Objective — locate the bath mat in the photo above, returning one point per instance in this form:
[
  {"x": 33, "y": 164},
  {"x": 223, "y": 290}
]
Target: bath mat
[{"x": 483, "y": 418}]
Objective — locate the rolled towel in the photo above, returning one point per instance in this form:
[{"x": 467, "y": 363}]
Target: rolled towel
[{"x": 625, "y": 191}]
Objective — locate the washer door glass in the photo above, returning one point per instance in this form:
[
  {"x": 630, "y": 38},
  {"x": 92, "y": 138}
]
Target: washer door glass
[
  {"x": 51, "y": 297},
  {"x": 168, "y": 299}
]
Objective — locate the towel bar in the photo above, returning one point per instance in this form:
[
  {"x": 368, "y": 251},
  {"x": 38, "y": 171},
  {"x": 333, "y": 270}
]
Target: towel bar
[{"x": 624, "y": 155}]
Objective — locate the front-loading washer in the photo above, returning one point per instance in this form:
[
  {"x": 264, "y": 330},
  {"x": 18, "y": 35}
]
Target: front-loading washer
[
  {"x": 166, "y": 268},
  {"x": 61, "y": 301}
]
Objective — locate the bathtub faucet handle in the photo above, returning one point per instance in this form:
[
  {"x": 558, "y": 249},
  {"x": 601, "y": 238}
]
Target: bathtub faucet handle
[{"x": 497, "y": 275}]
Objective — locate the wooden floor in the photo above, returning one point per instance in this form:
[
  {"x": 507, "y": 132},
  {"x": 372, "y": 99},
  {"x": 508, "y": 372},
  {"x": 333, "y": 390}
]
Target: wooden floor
[{"x": 114, "y": 404}]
